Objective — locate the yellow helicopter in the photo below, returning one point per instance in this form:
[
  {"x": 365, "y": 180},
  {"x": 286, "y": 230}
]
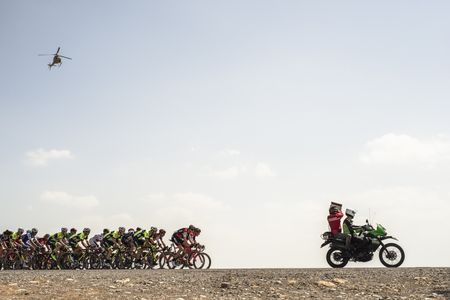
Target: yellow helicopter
[{"x": 56, "y": 58}]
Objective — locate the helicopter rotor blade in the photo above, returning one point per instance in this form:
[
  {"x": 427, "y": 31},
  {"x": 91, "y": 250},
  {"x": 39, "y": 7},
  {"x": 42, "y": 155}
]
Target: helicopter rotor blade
[
  {"x": 46, "y": 54},
  {"x": 58, "y": 50},
  {"x": 65, "y": 57}
]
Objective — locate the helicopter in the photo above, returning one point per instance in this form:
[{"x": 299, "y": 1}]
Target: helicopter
[{"x": 56, "y": 58}]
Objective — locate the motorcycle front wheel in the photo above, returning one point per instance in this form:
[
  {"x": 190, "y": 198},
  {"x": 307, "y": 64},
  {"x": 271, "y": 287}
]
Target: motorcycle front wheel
[
  {"x": 392, "y": 255},
  {"x": 336, "y": 258}
]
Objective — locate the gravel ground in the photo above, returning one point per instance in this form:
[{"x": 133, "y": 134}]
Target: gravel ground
[{"x": 403, "y": 283}]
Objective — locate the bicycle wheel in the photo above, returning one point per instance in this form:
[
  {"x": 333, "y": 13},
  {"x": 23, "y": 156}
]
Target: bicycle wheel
[
  {"x": 153, "y": 262},
  {"x": 174, "y": 261},
  {"x": 36, "y": 261},
  {"x": 163, "y": 259},
  {"x": 67, "y": 261},
  {"x": 207, "y": 260},
  {"x": 197, "y": 260},
  {"x": 118, "y": 261},
  {"x": 201, "y": 261}
]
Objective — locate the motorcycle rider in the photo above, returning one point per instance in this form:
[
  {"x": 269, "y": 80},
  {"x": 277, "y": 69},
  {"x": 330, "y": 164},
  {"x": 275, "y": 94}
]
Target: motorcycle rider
[
  {"x": 353, "y": 240},
  {"x": 334, "y": 218}
]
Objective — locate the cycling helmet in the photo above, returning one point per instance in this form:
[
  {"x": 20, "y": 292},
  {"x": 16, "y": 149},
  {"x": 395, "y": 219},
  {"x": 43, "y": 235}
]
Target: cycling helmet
[
  {"x": 46, "y": 237},
  {"x": 64, "y": 230},
  {"x": 350, "y": 213},
  {"x": 121, "y": 229},
  {"x": 153, "y": 230},
  {"x": 20, "y": 230},
  {"x": 198, "y": 230},
  {"x": 73, "y": 230},
  {"x": 130, "y": 229},
  {"x": 105, "y": 231},
  {"x": 162, "y": 232},
  {"x": 34, "y": 231},
  {"x": 191, "y": 227},
  {"x": 87, "y": 230},
  {"x": 138, "y": 228}
]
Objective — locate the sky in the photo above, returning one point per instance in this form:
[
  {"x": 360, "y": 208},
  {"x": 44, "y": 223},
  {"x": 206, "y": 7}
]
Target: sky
[{"x": 244, "y": 118}]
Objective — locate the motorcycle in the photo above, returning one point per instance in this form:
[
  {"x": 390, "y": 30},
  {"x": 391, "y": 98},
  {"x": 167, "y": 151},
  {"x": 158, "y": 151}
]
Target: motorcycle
[{"x": 369, "y": 240}]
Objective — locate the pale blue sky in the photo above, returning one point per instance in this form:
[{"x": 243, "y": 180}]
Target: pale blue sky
[{"x": 260, "y": 111}]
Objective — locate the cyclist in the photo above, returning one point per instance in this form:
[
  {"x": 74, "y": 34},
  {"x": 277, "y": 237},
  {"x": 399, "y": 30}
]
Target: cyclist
[
  {"x": 16, "y": 238},
  {"x": 128, "y": 240},
  {"x": 184, "y": 238},
  {"x": 111, "y": 241},
  {"x": 144, "y": 239},
  {"x": 140, "y": 237},
  {"x": 72, "y": 231},
  {"x": 58, "y": 241},
  {"x": 197, "y": 232},
  {"x": 5, "y": 241},
  {"x": 43, "y": 243},
  {"x": 159, "y": 239},
  {"x": 29, "y": 244},
  {"x": 96, "y": 241},
  {"x": 29, "y": 239},
  {"x": 79, "y": 242}
]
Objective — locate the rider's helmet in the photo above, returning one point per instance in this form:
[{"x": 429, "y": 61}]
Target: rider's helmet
[
  {"x": 64, "y": 230},
  {"x": 333, "y": 209},
  {"x": 152, "y": 230},
  {"x": 34, "y": 231},
  {"x": 122, "y": 230},
  {"x": 191, "y": 227},
  {"x": 105, "y": 231},
  {"x": 162, "y": 232},
  {"x": 130, "y": 230},
  {"x": 73, "y": 230},
  {"x": 197, "y": 231},
  {"x": 138, "y": 228},
  {"x": 86, "y": 230},
  {"x": 20, "y": 230},
  {"x": 350, "y": 213},
  {"x": 46, "y": 237}
]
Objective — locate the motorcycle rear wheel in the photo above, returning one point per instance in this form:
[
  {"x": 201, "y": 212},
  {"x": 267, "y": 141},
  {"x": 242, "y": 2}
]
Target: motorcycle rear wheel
[
  {"x": 336, "y": 258},
  {"x": 389, "y": 253}
]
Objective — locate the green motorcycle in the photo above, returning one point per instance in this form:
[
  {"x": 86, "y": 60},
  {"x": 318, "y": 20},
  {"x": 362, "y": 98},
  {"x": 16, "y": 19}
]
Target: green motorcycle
[{"x": 363, "y": 247}]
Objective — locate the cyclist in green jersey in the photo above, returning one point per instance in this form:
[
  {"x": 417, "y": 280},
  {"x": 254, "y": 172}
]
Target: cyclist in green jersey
[
  {"x": 145, "y": 239},
  {"x": 79, "y": 242},
  {"x": 16, "y": 238},
  {"x": 57, "y": 241},
  {"x": 112, "y": 240}
]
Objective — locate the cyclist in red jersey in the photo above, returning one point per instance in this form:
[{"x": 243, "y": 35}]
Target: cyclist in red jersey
[
  {"x": 184, "y": 238},
  {"x": 43, "y": 243}
]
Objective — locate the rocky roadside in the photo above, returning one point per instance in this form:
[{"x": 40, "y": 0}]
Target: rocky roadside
[{"x": 403, "y": 283}]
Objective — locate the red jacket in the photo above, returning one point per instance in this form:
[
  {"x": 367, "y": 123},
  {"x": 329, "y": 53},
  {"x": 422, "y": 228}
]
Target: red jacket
[{"x": 334, "y": 220}]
